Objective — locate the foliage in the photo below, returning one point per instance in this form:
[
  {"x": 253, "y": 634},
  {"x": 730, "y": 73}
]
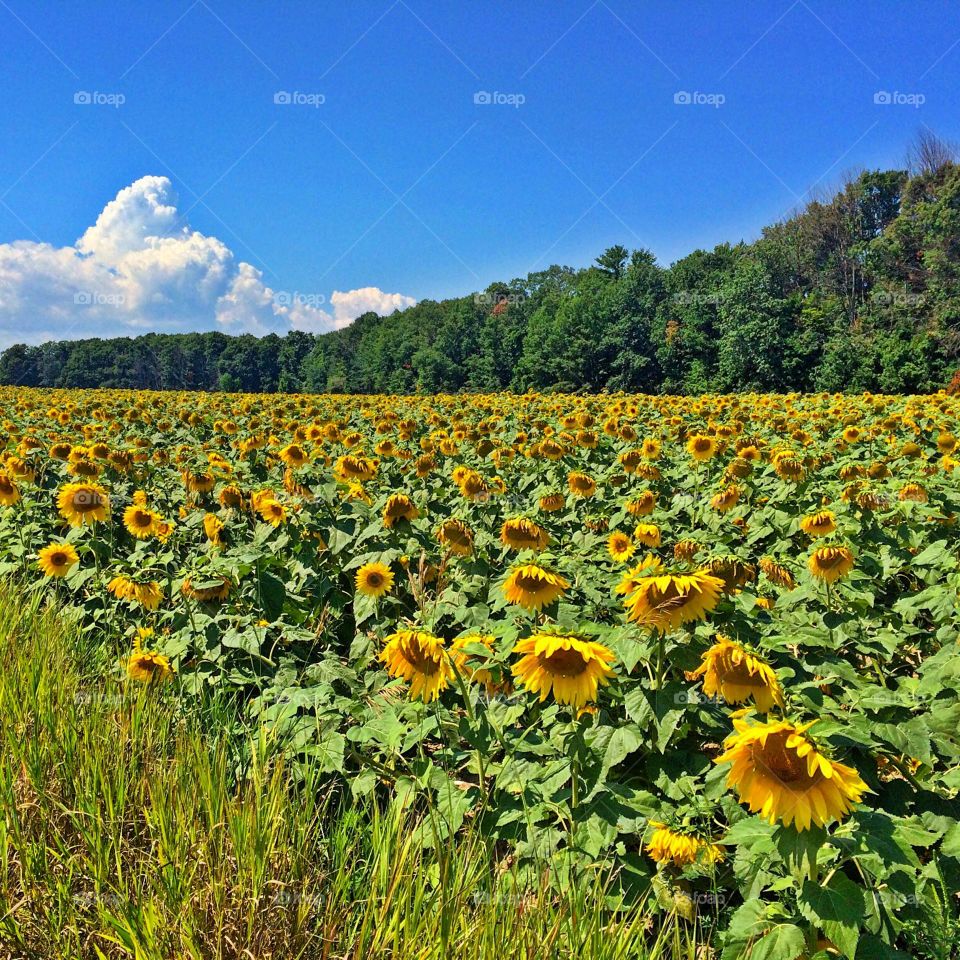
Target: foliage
[
  {"x": 290, "y": 542},
  {"x": 858, "y": 292}
]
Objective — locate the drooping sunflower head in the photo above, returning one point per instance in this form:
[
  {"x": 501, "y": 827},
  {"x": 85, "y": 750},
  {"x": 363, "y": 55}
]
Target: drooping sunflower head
[
  {"x": 570, "y": 666},
  {"x": 682, "y": 849},
  {"x": 147, "y": 666},
  {"x": 665, "y": 601},
  {"x": 831, "y": 563},
  {"x": 83, "y": 503},
  {"x": 399, "y": 507},
  {"x": 819, "y": 524},
  {"x": 581, "y": 485},
  {"x": 534, "y": 587},
  {"x": 272, "y": 511},
  {"x": 9, "y": 492},
  {"x": 57, "y": 559},
  {"x": 777, "y": 573},
  {"x": 421, "y": 659},
  {"x": 732, "y": 570},
  {"x": 642, "y": 504},
  {"x": 914, "y": 492},
  {"x": 456, "y": 536},
  {"x": 648, "y": 534},
  {"x": 293, "y": 455},
  {"x": 726, "y": 499},
  {"x": 519, "y": 533},
  {"x": 552, "y": 502},
  {"x": 461, "y": 658},
  {"x": 730, "y": 671},
  {"x": 374, "y": 580},
  {"x": 779, "y": 772}
]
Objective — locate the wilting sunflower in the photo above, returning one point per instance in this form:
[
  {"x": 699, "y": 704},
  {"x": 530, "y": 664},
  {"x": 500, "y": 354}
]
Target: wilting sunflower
[
  {"x": 57, "y": 559},
  {"x": 457, "y": 536},
  {"x": 819, "y": 524},
  {"x": 461, "y": 659},
  {"x": 581, "y": 485},
  {"x": 830, "y": 563},
  {"x": 141, "y": 522},
  {"x": 9, "y": 492},
  {"x": 571, "y": 666},
  {"x": 533, "y": 587},
  {"x": 642, "y": 505},
  {"x": 520, "y": 533},
  {"x": 664, "y": 601},
  {"x": 293, "y": 455},
  {"x": 620, "y": 547},
  {"x": 680, "y": 849},
  {"x": 213, "y": 527},
  {"x": 648, "y": 534},
  {"x": 779, "y": 773},
  {"x": 398, "y": 507},
  {"x": 726, "y": 499},
  {"x": 83, "y": 503},
  {"x": 217, "y": 588},
  {"x": 421, "y": 660},
  {"x": 374, "y": 580},
  {"x": 552, "y": 502},
  {"x": 147, "y": 666},
  {"x": 777, "y": 573},
  {"x": 732, "y": 672}
]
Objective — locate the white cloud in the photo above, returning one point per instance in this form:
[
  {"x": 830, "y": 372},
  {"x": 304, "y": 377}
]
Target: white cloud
[{"x": 140, "y": 267}]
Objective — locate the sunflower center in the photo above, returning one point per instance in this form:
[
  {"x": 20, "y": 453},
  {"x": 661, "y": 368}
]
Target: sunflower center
[
  {"x": 85, "y": 501},
  {"x": 782, "y": 763},
  {"x": 374, "y": 579},
  {"x": 420, "y": 660},
  {"x": 531, "y": 583},
  {"x": 58, "y": 559},
  {"x": 564, "y": 663}
]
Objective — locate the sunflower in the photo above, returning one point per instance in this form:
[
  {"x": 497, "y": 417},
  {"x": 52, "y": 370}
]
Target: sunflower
[
  {"x": 737, "y": 675},
  {"x": 83, "y": 503},
  {"x": 149, "y": 594},
  {"x": 681, "y": 849},
  {"x": 701, "y": 447},
  {"x": 293, "y": 455},
  {"x": 272, "y": 511},
  {"x": 57, "y": 559},
  {"x": 520, "y": 533},
  {"x": 421, "y": 660},
  {"x": 456, "y": 536},
  {"x": 9, "y": 492},
  {"x": 819, "y": 524},
  {"x": 461, "y": 659},
  {"x": 648, "y": 534},
  {"x": 665, "y": 601},
  {"x": 217, "y": 588},
  {"x": 620, "y": 547},
  {"x": 642, "y": 505},
  {"x": 213, "y": 527},
  {"x": 581, "y": 485},
  {"x": 726, "y": 499},
  {"x": 830, "y": 563},
  {"x": 374, "y": 580},
  {"x": 140, "y": 521},
  {"x": 147, "y": 666},
  {"x": 778, "y": 771},
  {"x": 350, "y": 468},
  {"x": 398, "y": 507},
  {"x": 570, "y": 666},
  {"x": 777, "y": 573},
  {"x": 552, "y": 502},
  {"x": 533, "y": 587}
]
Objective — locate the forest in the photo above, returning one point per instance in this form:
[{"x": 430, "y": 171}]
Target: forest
[{"x": 856, "y": 291}]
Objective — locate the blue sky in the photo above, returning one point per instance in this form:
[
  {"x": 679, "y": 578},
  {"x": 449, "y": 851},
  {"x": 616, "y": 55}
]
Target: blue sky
[{"x": 398, "y": 180}]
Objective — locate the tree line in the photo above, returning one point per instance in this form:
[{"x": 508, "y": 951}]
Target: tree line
[{"x": 858, "y": 291}]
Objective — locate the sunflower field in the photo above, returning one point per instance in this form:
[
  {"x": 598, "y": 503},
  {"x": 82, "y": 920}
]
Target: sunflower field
[{"x": 708, "y": 645}]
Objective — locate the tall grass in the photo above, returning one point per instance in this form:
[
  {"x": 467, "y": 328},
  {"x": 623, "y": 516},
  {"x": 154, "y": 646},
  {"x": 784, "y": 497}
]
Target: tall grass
[{"x": 130, "y": 828}]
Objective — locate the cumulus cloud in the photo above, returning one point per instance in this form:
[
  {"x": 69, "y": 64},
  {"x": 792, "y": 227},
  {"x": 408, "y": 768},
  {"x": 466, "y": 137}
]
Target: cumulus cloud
[{"x": 141, "y": 268}]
